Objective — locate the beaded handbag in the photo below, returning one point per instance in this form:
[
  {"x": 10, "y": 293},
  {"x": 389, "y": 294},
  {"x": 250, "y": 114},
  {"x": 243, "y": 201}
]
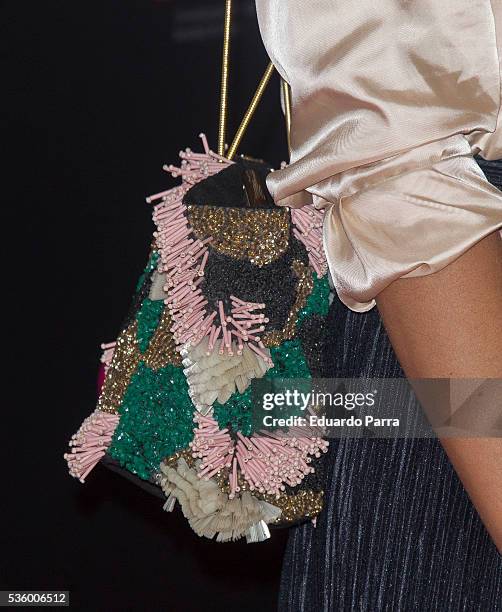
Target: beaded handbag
[{"x": 235, "y": 290}]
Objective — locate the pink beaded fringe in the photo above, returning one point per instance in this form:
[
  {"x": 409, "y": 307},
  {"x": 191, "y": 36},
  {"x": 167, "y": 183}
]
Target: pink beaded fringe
[
  {"x": 268, "y": 461},
  {"x": 183, "y": 259},
  {"x": 308, "y": 221},
  {"x": 90, "y": 442},
  {"x": 107, "y": 356}
]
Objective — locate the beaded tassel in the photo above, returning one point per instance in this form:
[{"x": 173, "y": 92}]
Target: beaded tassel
[
  {"x": 267, "y": 461},
  {"x": 90, "y": 442},
  {"x": 308, "y": 221},
  {"x": 183, "y": 259}
]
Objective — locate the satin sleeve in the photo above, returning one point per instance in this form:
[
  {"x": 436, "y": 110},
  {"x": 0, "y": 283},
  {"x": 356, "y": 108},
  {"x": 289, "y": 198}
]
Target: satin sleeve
[{"x": 390, "y": 102}]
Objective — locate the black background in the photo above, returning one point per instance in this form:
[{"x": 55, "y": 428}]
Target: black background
[{"x": 99, "y": 96}]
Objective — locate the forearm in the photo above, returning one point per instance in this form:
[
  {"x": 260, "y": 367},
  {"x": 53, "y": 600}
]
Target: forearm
[{"x": 449, "y": 325}]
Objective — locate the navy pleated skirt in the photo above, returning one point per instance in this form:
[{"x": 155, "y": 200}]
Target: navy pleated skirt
[{"x": 398, "y": 532}]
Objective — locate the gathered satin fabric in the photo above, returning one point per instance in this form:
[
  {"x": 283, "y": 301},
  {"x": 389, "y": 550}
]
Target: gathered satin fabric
[{"x": 390, "y": 101}]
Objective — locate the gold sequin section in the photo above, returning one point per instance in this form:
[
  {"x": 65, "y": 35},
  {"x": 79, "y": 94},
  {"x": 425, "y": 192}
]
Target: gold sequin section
[
  {"x": 161, "y": 352},
  {"x": 301, "y": 505},
  {"x": 162, "y": 348},
  {"x": 125, "y": 360},
  {"x": 185, "y": 454},
  {"x": 303, "y": 290},
  {"x": 259, "y": 236}
]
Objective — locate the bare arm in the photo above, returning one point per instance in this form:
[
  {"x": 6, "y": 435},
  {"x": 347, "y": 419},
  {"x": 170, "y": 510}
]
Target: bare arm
[{"x": 449, "y": 325}]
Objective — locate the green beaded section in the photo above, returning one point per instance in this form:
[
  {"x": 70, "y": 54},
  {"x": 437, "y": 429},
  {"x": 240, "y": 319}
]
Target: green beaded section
[
  {"x": 150, "y": 267},
  {"x": 237, "y": 412},
  {"x": 156, "y": 419},
  {"x": 318, "y": 300},
  {"x": 148, "y": 318}
]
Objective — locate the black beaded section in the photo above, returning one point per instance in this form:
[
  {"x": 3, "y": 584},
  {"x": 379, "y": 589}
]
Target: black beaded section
[
  {"x": 274, "y": 285},
  {"x": 316, "y": 338},
  {"x": 240, "y": 185}
]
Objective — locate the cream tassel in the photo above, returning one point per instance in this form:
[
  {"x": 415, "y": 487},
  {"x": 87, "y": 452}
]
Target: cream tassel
[
  {"x": 214, "y": 377},
  {"x": 258, "y": 533},
  {"x": 211, "y": 512}
]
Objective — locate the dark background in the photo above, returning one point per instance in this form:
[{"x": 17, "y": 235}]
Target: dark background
[{"x": 99, "y": 95}]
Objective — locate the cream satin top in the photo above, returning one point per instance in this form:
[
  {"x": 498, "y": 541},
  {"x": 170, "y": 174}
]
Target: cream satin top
[{"x": 390, "y": 100}]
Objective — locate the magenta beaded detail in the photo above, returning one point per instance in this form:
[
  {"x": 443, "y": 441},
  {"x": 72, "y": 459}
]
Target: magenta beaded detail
[
  {"x": 90, "y": 442},
  {"x": 308, "y": 221},
  {"x": 267, "y": 461}
]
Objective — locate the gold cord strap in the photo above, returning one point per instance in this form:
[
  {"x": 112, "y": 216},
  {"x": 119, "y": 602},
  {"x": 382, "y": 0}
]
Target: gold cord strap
[
  {"x": 286, "y": 96},
  {"x": 250, "y": 111},
  {"x": 222, "y": 128}
]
